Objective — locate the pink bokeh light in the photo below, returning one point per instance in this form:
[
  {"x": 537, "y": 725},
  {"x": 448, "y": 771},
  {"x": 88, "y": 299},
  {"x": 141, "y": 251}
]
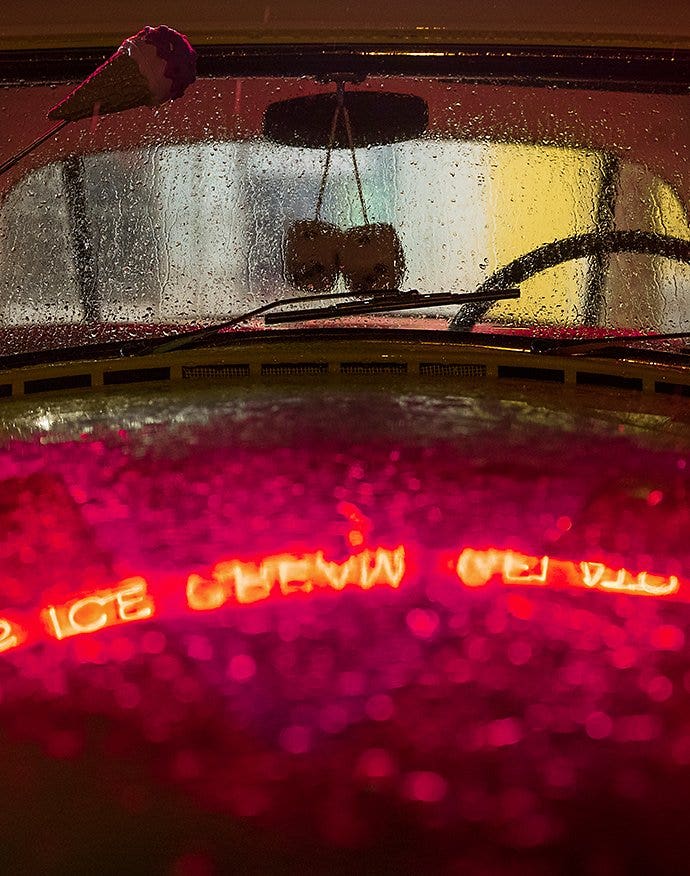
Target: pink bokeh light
[{"x": 486, "y": 717}]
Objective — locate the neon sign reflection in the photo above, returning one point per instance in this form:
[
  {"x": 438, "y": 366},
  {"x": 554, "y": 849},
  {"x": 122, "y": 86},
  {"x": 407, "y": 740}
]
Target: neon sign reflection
[
  {"x": 476, "y": 568},
  {"x": 237, "y": 582},
  {"x": 248, "y": 582},
  {"x": 128, "y": 602}
]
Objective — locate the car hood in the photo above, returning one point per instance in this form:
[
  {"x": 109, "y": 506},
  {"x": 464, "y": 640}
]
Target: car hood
[
  {"x": 498, "y": 717},
  {"x": 167, "y": 480}
]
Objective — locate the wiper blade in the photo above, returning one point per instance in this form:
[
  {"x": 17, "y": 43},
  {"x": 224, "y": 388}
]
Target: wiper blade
[
  {"x": 384, "y": 302},
  {"x": 585, "y": 346},
  {"x": 374, "y": 302},
  {"x": 187, "y": 339},
  {"x": 592, "y": 243}
]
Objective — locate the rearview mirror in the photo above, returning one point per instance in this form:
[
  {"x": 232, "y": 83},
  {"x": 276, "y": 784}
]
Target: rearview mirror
[{"x": 376, "y": 117}]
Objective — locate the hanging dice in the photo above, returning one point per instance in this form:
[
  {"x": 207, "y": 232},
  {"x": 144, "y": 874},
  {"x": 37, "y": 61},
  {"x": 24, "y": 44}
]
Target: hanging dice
[
  {"x": 310, "y": 254},
  {"x": 371, "y": 258}
]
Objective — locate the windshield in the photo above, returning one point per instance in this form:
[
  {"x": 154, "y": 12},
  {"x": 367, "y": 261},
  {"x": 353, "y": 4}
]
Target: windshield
[{"x": 155, "y": 220}]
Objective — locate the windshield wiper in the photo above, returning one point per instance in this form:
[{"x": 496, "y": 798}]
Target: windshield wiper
[
  {"x": 585, "y": 346},
  {"x": 383, "y": 302},
  {"x": 374, "y": 302},
  {"x": 549, "y": 255}
]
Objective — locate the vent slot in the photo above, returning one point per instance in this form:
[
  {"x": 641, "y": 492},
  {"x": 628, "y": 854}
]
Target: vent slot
[
  {"x": 283, "y": 369},
  {"x": 449, "y": 369},
  {"x": 613, "y": 381},
  {"x": 373, "y": 368},
  {"x": 135, "y": 375},
  {"x": 213, "y": 372},
  {"x": 672, "y": 388},
  {"x": 526, "y": 372},
  {"x": 65, "y": 381}
]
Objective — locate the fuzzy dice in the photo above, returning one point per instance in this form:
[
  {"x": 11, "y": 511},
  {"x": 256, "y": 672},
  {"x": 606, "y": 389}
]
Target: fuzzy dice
[
  {"x": 370, "y": 257},
  {"x": 310, "y": 252}
]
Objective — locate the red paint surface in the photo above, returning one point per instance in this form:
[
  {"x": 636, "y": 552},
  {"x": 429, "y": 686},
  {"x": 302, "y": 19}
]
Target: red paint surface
[{"x": 442, "y": 720}]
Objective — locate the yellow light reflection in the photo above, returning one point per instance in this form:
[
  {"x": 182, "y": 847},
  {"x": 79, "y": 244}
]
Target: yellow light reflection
[{"x": 538, "y": 195}]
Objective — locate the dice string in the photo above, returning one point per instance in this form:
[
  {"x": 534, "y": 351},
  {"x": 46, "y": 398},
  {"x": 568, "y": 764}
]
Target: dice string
[
  {"x": 341, "y": 108},
  {"x": 329, "y": 150},
  {"x": 348, "y": 129}
]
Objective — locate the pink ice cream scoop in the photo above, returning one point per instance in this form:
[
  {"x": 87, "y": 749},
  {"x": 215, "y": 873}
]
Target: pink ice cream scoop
[{"x": 154, "y": 65}]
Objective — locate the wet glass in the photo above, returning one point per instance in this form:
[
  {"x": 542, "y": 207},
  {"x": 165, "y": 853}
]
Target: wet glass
[{"x": 183, "y": 219}]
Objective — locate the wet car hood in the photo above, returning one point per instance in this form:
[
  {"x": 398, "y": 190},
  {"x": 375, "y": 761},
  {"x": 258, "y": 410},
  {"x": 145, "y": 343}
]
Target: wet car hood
[{"x": 506, "y": 721}]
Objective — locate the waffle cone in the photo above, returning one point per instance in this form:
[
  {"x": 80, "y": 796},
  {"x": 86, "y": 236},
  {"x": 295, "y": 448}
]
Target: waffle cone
[{"x": 116, "y": 85}]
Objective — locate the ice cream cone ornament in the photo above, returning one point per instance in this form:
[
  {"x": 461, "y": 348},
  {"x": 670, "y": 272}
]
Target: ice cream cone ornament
[
  {"x": 153, "y": 66},
  {"x": 370, "y": 256}
]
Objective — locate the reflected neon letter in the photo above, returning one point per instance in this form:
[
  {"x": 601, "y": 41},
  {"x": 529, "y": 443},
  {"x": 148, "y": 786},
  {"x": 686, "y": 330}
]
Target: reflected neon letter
[
  {"x": 11, "y": 635},
  {"x": 519, "y": 569},
  {"x": 388, "y": 567},
  {"x": 205, "y": 595},
  {"x": 128, "y": 602}
]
